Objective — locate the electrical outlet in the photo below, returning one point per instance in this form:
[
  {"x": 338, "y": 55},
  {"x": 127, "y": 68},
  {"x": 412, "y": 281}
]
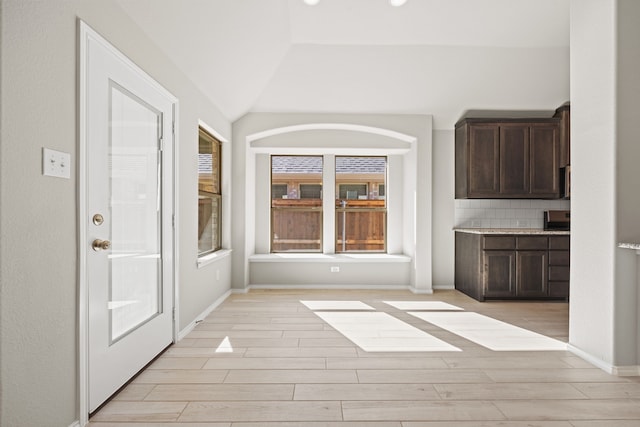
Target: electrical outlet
[
  {"x": 217, "y": 274},
  {"x": 335, "y": 269},
  {"x": 56, "y": 163}
]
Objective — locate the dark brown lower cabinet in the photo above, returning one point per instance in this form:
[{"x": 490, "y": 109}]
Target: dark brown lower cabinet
[
  {"x": 512, "y": 266},
  {"x": 531, "y": 279},
  {"x": 559, "y": 266},
  {"x": 499, "y": 274}
]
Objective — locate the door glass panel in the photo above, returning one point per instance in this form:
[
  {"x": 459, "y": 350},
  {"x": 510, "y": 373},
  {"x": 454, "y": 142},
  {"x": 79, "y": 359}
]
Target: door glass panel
[{"x": 134, "y": 169}]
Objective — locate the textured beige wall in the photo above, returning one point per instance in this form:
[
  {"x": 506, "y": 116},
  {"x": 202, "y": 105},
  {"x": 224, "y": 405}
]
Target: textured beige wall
[{"x": 38, "y": 283}]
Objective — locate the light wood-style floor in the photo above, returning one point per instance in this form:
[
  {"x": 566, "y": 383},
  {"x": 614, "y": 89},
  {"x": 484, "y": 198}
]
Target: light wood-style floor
[{"x": 288, "y": 368}]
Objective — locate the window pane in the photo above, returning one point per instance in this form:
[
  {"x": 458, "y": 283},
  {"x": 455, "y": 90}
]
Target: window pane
[
  {"x": 209, "y": 211},
  {"x": 310, "y": 191},
  {"x": 296, "y": 230},
  {"x": 296, "y": 203},
  {"x": 363, "y": 230},
  {"x": 209, "y": 197},
  {"x": 353, "y": 191},
  {"x": 278, "y": 191},
  {"x": 361, "y": 214}
]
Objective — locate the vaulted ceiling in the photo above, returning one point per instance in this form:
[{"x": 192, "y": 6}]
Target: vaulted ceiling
[{"x": 439, "y": 57}]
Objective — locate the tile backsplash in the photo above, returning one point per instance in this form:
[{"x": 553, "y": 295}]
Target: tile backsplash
[{"x": 501, "y": 213}]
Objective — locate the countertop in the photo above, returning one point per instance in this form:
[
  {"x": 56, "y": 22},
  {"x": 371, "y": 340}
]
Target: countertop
[{"x": 514, "y": 231}]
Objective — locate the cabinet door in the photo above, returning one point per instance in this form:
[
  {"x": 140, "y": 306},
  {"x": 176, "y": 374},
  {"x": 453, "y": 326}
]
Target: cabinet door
[
  {"x": 564, "y": 114},
  {"x": 484, "y": 155},
  {"x": 544, "y": 162},
  {"x": 499, "y": 273},
  {"x": 514, "y": 159},
  {"x": 532, "y": 270},
  {"x": 559, "y": 242}
]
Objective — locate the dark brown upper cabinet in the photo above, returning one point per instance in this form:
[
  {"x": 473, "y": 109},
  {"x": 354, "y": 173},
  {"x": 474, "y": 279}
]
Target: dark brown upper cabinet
[
  {"x": 564, "y": 114},
  {"x": 507, "y": 158}
]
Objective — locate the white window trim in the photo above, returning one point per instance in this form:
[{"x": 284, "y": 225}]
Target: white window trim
[
  {"x": 213, "y": 257},
  {"x": 330, "y": 258}
]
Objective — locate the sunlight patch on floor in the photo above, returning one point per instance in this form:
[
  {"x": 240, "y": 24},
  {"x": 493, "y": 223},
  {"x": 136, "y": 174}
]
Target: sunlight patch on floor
[
  {"x": 490, "y": 333},
  {"x": 225, "y": 346},
  {"x": 422, "y": 305},
  {"x": 379, "y": 332}
]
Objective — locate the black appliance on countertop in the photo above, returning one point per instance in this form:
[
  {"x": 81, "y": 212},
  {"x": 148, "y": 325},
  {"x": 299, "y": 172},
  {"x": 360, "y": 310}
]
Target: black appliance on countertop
[{"x": 557, "y": 220}]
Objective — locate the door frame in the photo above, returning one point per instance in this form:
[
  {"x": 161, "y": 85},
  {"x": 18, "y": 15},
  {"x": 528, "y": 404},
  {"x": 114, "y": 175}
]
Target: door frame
[{"x": 169, "y": 210}]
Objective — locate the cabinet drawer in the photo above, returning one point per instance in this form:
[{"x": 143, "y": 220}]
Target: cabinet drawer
[
  {"x": 532, "y": 242},
  {"x": 560, "y": 273},
  {"x": 559, "y": 242},
  {"x": 499, "y": 242},
  {"x": 559, "y": 257},
  {"x": 559, "y": 289}
]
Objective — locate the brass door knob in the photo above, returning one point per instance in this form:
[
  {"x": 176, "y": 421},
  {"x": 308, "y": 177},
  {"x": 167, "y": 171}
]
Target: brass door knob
[{"x": 100, "y": 245}]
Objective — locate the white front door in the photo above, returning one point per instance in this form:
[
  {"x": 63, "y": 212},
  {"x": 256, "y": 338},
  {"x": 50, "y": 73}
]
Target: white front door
[{"x": 127, "y": 197}]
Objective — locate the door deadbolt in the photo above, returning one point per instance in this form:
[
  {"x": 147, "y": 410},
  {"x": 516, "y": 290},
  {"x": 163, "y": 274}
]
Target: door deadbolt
[
  {"x": 98, "y": 219},
  {"x": 100, "y": 245}
]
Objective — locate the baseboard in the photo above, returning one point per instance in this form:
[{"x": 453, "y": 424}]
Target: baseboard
[
  {"x": 620, "y": 371},
  {"x": 75, "y": 424},
  {"x": 421, "y": 291},
  {"x": 444, "y": 287},
  {"x": 607, "y": 367},
  {"x": 183, "y": 333},
  {"x": 332, "y": 287},
  {"x": 627, "y": 371}
]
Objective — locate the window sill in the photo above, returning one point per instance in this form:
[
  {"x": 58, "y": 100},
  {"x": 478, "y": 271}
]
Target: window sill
[
  {"x": 343, "y": 258},
  {"x": 213, "y": 257}
]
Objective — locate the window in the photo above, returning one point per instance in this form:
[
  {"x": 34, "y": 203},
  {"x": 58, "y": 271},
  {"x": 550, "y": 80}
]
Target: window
[
  {"x": 278, "y": 191},
  {"x": 209, "y": 194},
  {"x": 311, "y": 191},
  {"x": 296, "y": 203},
  {"x": 352, "y": 191},
  {"x": 360, "y": 207},
  {"x": 361, "y": 212}
]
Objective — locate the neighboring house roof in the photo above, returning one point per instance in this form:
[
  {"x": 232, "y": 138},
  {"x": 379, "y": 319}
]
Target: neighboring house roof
[{"x": 313, "y": 164}]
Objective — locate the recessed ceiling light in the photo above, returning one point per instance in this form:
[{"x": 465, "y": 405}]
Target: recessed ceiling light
[
  {"x": 397, "y": 3},
  {"x": 312, "y": 2}
]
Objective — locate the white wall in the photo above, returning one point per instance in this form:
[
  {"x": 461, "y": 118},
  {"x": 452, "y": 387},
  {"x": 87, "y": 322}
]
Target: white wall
[
  {"x": 593, "y": 177},
  {"x": 409, "y": 218},
  {"x": 38, "y": 269},
  {"x": 627, "y": 309},
  {"x": 627, "y": 113},
  {"x": 443, "y": 249},
  {"x": 605, "y": 45}
]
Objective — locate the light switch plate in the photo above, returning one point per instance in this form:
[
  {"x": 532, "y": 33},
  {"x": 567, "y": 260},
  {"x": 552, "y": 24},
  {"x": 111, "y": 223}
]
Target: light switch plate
[{"x": 56, "y": 163}]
